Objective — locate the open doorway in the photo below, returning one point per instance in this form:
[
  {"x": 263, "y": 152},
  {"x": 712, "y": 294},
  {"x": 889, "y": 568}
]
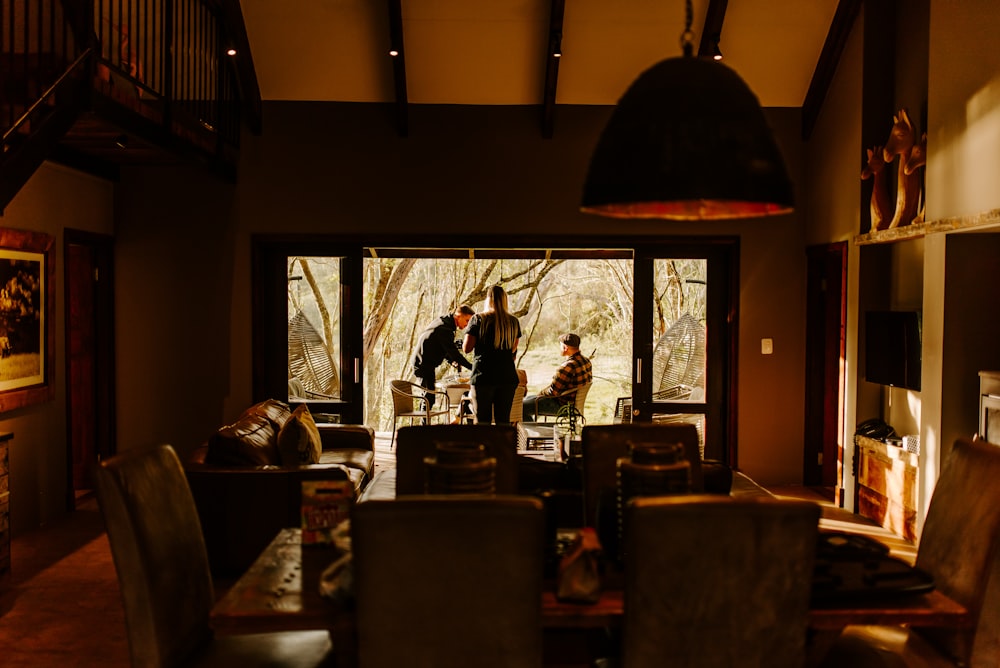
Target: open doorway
[
  {"x": 88, "y": 263},
  {"x": 826, "y": 320},
  {"x": 366, "y": 304}
]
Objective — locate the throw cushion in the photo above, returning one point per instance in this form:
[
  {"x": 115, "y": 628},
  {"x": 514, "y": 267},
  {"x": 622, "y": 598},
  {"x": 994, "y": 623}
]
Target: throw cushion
[
  {"x": 250, "y": 441},
  {"x": 298, "y": 440},
  {"x": 276, "y": 412}
]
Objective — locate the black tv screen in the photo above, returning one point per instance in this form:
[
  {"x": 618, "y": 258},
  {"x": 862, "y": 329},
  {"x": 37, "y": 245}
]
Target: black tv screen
[{"x": 892, "y": 348}]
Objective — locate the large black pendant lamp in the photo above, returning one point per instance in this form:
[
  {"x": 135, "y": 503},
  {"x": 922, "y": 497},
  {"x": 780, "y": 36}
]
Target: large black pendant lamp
[{"x": 687, "y": 141}]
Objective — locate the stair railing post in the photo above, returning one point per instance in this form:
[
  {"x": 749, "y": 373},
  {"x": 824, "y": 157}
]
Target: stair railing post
[{"x": 168, "y": 64}]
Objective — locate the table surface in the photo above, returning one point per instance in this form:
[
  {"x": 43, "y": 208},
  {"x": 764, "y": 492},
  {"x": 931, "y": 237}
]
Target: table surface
[{"x": 280, "y": 592}]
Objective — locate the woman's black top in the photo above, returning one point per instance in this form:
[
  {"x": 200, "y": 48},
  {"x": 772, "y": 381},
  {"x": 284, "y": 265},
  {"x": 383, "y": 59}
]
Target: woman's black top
[{"x": 490, "y": 365}]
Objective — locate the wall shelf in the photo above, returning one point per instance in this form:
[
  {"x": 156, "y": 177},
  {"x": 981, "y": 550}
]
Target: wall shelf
[{"x": 980, "y": 220}]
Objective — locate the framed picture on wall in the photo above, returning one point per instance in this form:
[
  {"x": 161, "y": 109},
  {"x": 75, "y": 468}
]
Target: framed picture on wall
[{"x": 27, "y": 301}]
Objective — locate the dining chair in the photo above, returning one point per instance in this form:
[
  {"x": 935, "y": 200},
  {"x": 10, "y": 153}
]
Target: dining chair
[
  {"x": 603, "y": 445},
  {"x": 713, "y": 581},
  {"x": 162, "y": 566},
  {"x": 960, "y": 548},
  {"x": 417, "y": 442},
  {"x": 408, "y": 402},
  {"x": 449, "y": 581}
]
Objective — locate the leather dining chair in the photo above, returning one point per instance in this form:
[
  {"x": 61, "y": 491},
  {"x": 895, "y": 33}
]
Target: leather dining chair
[
  {"x": 603, "y": 445},
  {"x": 960, "y": 548},
  {"x": 712, "y": 581},
  {"x": 449, "y": 581},
  {"x": 416, "y": 442},
  {"x": 167, "y": 591}
]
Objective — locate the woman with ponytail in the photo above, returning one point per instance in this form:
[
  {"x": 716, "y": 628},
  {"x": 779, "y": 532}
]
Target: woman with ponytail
[{"x": 492, "y": 336}]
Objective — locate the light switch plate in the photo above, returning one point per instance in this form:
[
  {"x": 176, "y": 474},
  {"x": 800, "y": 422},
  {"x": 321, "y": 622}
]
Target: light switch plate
[{"x": 766, "y": 346}]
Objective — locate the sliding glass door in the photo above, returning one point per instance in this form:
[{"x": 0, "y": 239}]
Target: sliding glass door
[
  {"x": 307, "y": 307},
  {"x": 657, "y": 317},
  {"x": 684, "y": 340}
]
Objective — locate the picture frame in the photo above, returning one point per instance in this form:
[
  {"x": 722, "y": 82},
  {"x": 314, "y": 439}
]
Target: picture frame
[{"x": 27, "y": 322}]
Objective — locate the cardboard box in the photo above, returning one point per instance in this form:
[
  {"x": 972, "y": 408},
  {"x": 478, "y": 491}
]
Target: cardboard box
[{"x": 325, "y": 504}]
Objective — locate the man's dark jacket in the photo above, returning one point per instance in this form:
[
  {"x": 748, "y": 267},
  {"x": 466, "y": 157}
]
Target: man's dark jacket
[{"x": 436, "y": 343}]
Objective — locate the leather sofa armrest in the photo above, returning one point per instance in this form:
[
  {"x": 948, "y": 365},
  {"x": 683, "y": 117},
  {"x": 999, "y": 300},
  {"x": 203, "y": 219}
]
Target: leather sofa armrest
[{"x": 241, "y": 509}]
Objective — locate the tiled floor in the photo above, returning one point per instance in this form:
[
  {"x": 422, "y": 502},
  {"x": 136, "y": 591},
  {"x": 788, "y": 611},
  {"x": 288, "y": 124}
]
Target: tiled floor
[{"x": 64, "y": 606}]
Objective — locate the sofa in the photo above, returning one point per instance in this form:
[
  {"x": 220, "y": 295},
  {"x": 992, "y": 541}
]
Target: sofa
[{"x": 247, "y": 477}]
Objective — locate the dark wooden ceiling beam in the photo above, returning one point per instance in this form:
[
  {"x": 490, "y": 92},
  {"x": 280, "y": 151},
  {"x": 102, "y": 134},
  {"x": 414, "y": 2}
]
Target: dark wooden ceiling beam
[
  {"x": 553, "y": 54},
  {"x": 711, "y": 33},
  {"x": 398, "y": 66},
  {"x": 829, "y": 58}
]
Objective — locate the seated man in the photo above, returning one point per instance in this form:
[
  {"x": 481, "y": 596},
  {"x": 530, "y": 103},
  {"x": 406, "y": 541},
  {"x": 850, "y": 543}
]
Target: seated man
[{"x": 572, "y": 373}]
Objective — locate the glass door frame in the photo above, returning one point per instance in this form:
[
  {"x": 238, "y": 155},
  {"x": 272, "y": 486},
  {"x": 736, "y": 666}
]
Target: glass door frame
[
  {"x": 269, "y": 281},
  {"x": 719, "y": 407},
  {"x": 269, "y": 312}
]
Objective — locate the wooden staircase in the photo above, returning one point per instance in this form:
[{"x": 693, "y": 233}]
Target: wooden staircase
[{"x": 73, "y": 88}]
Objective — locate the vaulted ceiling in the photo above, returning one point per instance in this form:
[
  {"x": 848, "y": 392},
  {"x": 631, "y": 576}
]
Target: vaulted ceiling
[{"x": 497, "y": 52}]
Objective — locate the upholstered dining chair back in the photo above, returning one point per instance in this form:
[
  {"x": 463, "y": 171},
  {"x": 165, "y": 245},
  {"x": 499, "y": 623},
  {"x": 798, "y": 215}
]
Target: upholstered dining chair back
[
  {"x": 159, "y": 555},
  {"x": 416, "y": 442},
  {"x": 714, "y": 581},
  {"x": 449, "y": 581},
  {"x": 960, "y": 547},
  {"x": 602, "y": 446}
]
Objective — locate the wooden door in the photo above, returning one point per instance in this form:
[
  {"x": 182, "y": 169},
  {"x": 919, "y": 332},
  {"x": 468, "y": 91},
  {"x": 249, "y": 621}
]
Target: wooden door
[
  {"x": 89, "y": 356},
  {"x": 826, "y": 317}
]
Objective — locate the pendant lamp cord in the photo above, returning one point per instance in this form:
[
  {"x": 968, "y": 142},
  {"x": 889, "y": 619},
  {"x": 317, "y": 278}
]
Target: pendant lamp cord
[{"x": 687, "y": 37}]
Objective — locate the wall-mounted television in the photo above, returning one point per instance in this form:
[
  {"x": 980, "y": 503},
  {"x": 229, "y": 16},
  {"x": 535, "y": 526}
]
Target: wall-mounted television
[{"x": 893, "y": 348}]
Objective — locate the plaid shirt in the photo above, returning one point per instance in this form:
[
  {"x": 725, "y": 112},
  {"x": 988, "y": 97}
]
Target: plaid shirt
[{"x": 572, "y": 373}]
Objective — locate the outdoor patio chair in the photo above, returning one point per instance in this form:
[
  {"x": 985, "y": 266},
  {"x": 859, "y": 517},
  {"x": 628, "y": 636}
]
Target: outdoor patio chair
[{"x": 408, "y": 401}]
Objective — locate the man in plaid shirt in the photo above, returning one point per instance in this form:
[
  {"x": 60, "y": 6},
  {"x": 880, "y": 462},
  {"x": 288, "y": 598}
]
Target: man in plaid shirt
[{"x": 572, "y": 373}]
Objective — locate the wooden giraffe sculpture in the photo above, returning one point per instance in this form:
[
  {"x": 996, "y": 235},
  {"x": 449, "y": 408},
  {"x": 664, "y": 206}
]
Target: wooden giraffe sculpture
[
  {"x": 881, "y": 213},
  {"x": 917, "y": 159},
  {"x": 901, "y": 141}
]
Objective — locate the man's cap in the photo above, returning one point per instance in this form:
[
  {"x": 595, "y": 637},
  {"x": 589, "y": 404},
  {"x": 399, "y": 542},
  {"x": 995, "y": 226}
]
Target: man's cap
[{"x": 571, "y": 340}]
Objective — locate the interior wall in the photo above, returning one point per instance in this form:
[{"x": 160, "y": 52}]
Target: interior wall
[
  {"x": 963, "y": 165},
  {"x": 963, "y": 144},
  {"x": 972, "y": 329},
  {"x": 832, "y": 180},
  {"x": 54, "y": 199},
  {"x": 340, "y": 168}
]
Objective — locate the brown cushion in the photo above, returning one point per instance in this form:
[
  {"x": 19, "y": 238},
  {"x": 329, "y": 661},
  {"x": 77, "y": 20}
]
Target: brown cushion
[
  {"x": 250, "y": 441},
  {"x": 276, "y": 412},
  {"x": 298, "y": 439}
]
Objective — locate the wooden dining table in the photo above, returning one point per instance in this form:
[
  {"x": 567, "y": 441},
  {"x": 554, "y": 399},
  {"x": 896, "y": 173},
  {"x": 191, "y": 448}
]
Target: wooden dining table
[{"x": 280, "y": 592}]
